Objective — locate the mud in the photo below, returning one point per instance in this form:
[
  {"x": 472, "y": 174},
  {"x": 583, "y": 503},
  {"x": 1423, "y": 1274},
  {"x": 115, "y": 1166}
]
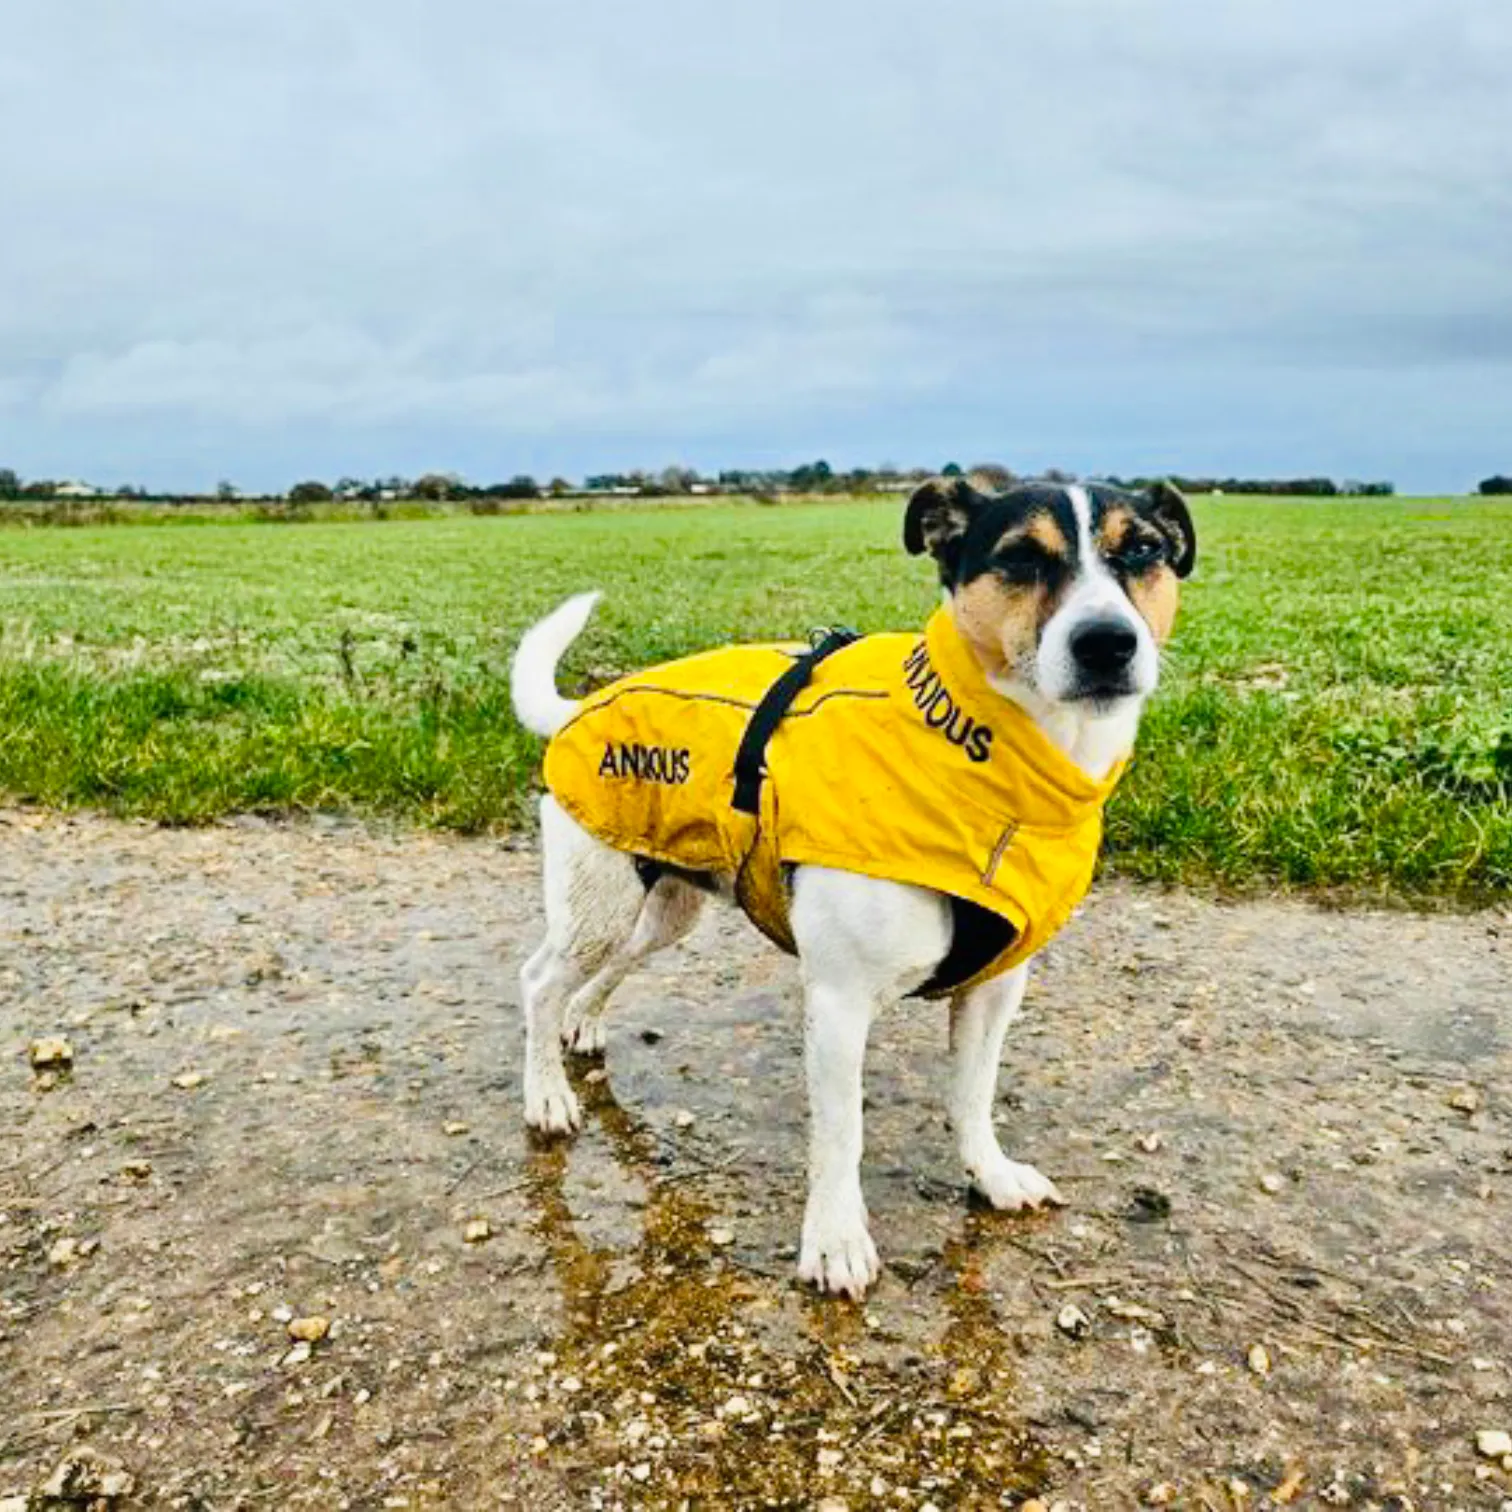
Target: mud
[{"x": 1279, "y": 1126}]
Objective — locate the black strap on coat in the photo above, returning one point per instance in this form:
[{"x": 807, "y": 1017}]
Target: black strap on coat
[{"x": 750, "y": 759}]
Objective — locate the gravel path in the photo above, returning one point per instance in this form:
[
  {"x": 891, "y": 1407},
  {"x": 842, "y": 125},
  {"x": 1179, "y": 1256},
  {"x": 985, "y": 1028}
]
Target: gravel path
[{"x": 1285, "y": 1279}]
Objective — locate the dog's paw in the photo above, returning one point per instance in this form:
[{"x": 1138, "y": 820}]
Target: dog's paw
[
  {"x": 1010, "y": 1187},
  {"x": 838, "y": 1256},
  {"x": 583, "y": 1034},
  {"x": 551, "y": 1107}
]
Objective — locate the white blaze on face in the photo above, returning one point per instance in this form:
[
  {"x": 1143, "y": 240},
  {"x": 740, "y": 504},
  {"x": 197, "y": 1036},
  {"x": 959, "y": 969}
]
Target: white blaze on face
[{"x": 1094, "y": 596}]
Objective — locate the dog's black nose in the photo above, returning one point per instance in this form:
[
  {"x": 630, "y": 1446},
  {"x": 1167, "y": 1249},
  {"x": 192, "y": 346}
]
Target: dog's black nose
[{"x": 1104, "y": 648}]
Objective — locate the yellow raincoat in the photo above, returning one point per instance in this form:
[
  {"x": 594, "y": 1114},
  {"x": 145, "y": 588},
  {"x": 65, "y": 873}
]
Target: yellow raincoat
[{"x": 897, "y": 760}]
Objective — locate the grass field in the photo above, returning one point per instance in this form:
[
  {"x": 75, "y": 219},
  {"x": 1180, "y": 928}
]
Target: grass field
[{"x": 1336, "y": 712}]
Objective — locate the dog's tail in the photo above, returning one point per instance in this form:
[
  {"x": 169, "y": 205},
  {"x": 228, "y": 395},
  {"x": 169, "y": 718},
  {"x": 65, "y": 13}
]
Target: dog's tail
[{"x": 532, "y": 675}]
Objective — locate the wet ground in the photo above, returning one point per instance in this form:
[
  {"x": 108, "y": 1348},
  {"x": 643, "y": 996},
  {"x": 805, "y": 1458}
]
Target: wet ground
[{"x": 1285, "y": 1279}]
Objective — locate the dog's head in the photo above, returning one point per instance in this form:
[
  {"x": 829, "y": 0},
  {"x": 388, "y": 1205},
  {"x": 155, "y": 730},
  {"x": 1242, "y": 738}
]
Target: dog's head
[{"x": 1068, "y": 589}]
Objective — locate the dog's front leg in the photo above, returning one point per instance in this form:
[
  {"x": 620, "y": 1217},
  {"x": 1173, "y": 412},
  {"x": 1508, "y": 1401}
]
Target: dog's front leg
[
  {"x": 979, "y": 1018},
  {"x": 863, "y": 944},
  {"x": 837, "y": 1253}
]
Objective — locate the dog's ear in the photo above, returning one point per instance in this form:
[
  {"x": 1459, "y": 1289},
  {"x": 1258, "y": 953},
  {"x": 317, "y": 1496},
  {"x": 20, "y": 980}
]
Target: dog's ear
[
  {"x": 939, "y": 514},
  {"x": 1169, "y": 511}
]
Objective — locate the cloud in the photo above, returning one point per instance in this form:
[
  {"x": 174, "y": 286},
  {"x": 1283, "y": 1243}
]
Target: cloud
[
  {"x": 830, "y": 226},
  {"x": 843, "y": 350}
]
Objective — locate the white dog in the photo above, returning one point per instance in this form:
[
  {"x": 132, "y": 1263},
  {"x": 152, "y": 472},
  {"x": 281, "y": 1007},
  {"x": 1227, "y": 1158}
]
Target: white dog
[{"x": 910, "y": 814}]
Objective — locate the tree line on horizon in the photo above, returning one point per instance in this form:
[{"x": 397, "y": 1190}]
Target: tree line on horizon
[{"x": 816, "y": 477}]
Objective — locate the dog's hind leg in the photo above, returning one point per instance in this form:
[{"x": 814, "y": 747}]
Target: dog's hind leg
[
  {"x": 979, "y": 1018},
  {"x": 669, "y": 912},
  {"x": 593, "y": 897}
]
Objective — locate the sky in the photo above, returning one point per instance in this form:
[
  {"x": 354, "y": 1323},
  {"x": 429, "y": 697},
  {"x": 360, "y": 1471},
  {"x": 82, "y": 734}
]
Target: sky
[{"x": 265, "y": 240}]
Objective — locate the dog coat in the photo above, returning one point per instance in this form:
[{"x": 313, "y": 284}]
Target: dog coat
[{"x": 894, "y": 759}]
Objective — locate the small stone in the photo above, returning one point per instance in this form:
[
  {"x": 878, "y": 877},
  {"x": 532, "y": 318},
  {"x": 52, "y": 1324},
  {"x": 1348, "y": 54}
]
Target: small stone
[
  {"x": 1272, "y": 1182},
  {"x": 1073, "y": 1321},
  {"x": 187, "y": 1081},
  {"x": 311, "y": 1329},
  {"x": 683, "y": 1119},
  {"x": 973, "y": 1281},
  {"x": 1493, "y": 1443},
  {"x": 477, "y": 1231},
  {"x": 63, "y": 1253},
  {"x": 13, "y": 1503},
  {"x": 829, "y": 1461},
  {"x": 1150, "y": 1142},
  {"x": 640, "y": 1472},
  {"x": 1259, "y": 1360},
  {"x": 1161, "y": 1494},
  {"x": 737, "y": 1406},
  {"x": 52, "y": 1053},
  {"x": 455, "y": 1128},
  {"x": 832, "y": 1504},
  {"x": 721, "y": 1236},
  {"x": 1465, "y": 1100},
  {"x": 1033, "y": 1505},
  {"x": 300, "y": 1353},
  {"x": 136, "y": 1170},
  {"x": 85, "y": 1475},
  {"x": 966, "y": 1382}
]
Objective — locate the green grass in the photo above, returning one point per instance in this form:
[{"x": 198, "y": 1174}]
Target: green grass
[{"x": 1336, "y": 711}]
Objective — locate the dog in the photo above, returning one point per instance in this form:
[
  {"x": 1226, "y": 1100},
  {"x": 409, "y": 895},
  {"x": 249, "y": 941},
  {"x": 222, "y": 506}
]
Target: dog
[{"x": 909, "y": 815}]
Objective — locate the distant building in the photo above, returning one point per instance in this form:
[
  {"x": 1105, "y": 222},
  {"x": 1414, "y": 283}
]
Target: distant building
[{"x": 75, "y": 491}]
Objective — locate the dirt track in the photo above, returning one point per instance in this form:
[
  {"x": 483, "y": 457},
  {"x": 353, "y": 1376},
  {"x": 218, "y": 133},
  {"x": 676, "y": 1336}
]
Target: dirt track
[{"x": 1279, "y": 1126}]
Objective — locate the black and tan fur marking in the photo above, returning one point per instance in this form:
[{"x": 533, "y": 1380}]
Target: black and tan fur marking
[{"x": 1139, "y": 555}]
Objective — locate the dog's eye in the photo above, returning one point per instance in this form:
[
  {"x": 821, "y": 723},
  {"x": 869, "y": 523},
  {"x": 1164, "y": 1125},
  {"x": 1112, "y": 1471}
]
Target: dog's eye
[
  {"x": 1139, "y": 553},
  {"x": 1023, "y": 559}
]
